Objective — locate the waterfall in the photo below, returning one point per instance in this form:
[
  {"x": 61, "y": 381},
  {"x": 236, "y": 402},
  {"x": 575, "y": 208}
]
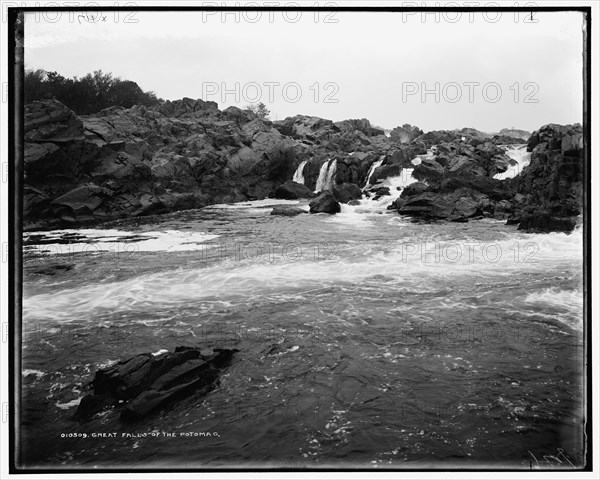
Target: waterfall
[
  {"x": 395, "y": 184},
  {"x": 322, "y": 176},
  {"x": 520, "y": 155},
  {"x": 374, "y": 165},
  {"x": 299, "y": 173},
  {"x": 326, "y": 176}
]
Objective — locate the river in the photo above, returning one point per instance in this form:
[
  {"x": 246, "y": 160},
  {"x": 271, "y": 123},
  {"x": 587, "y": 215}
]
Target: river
[{"x": 365, "y": 340}]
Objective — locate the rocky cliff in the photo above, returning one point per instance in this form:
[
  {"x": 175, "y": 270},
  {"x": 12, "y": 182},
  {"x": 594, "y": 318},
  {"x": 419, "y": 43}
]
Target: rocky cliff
[
  {"x": 189, "y": 154},
  {"x": 179, "y": 155},
  {"x": 546, "y": 196}
]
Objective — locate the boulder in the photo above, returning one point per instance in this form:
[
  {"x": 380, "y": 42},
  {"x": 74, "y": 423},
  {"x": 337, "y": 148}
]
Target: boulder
[
  {"x": 50, "y": 120},
  {"x": 36, "y": 154},
  {"x": 325, "y": 203},
  {"x": 150, "y": 205},
  {"x": 141, "y": 385},
  {"x": 34, "y": 202},
  {"x": 361, "y": 125},
  {"x": 82, "y": 200},
  {"x": 307, "y": 128},
  {"x": 291, "y": 190},
  {"x": 552, "y": 183},
  {"x": 414, "y": 189},
  {"x": 287, "y": 210},
  {"x": 522, "y": 135},
  {"x": 462, "y": 203},
  {"x": 545, "y": 223},
  {"x": 346, "y": 192},
  {"x": 428, "y": 170}
]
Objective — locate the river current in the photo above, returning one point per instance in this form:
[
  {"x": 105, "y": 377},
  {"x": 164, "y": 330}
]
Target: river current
[{"x": 365, "y": 340}]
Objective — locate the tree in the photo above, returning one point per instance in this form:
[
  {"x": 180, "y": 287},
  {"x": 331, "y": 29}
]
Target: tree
[
  {"x": 88, "y": 94},
  {"x": 124, "y": 93},
  {"x": 34, "y": 85},
  {"x": 260, "y": 110}
]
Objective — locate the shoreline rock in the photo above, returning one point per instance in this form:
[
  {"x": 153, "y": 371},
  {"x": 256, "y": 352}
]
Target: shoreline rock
[{"x": 146, "y": 383}]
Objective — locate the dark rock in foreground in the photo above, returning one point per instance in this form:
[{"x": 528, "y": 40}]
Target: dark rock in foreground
[
  {"x": 325, "y": 203},
  {"x": 287, "y": 210},
  {"x": 291, "y": 190},
  {"x": 148, "y": 383}
]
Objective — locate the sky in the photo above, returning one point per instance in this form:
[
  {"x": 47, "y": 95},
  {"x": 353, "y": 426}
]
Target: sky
[{"x": 492, "y": 71}]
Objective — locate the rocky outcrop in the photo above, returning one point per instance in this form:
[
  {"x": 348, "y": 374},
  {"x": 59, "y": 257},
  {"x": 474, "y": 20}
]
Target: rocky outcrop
[
  {"x": 141, "y": 161},
  {"x": 291, "y": 190},
  {"x": 522, "y": 135},
  {"x": 456, "y": 182},
  {"x": 545, "y": 223},
  {"x": 346, "y": 192},
  {"x": 51, "y": 121},
  {"x": 550, "y": 188},
  {"x": 146, "y": 383},
  {"x": 459, "y": 205},
  {"x": 188, "y": 154},
  {"x": 414, "y": 189},
  {"x": 361, "y": 125},
  {"x": 406, "y": 133},
  {"x": 546, "y": 196},
  {"x": 324, "y": 203}
]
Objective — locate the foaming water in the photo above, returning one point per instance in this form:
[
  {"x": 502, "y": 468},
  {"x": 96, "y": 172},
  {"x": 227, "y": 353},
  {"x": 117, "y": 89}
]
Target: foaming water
[
  {"x": 254, "y": 204},
  {"x": 299, "y": 173},
  {"x": 374, "y": 165},
  {"x": 364, "y": 340},
  {"x": 521, "y": 157},
  {"x": 326, "y": 175},
  {"x": 567, "y": 302},
  {"x": 407, "y": 261},
  {"x": 71, "y": 241},
  {"x": 395, "y": 184}
]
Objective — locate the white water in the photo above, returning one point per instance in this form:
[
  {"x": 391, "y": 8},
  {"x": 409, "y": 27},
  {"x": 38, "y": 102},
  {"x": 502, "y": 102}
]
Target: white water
[
  {"x": 353, "y": 213},
  {"x": 402, "y": 261},
  {"x": 92, "y": 241},
  {"x": 520, "y": 155},
  {"x": 419, "y": 158},
  {"x": 374, "y": 165},
  {"x": 326, "y": 176},
  {"x": 322, "y": 176},
  {"x": 254, "y": 204},
  {"x": 299, "y": 173}
]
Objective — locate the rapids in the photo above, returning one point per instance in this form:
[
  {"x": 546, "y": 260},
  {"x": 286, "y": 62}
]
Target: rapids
[{"x": 365, "y": 339}]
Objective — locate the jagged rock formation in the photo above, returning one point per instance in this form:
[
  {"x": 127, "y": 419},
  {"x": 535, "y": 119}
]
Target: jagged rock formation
[
  {"x": 144, "y": 384},
  {"x": 550, "y": 189},
  {"x": 179, "y": 155},
  {"x": 546, "y": 196},
  {"x": 406, "y": 133},
  {"x": 324, "y": 203},
  {"x": 188, "y": 154},
  {"x": 291, "y": 190}
]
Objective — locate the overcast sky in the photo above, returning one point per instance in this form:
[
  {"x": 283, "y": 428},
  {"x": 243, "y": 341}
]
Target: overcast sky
[{"x": 487, "y": 73}]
